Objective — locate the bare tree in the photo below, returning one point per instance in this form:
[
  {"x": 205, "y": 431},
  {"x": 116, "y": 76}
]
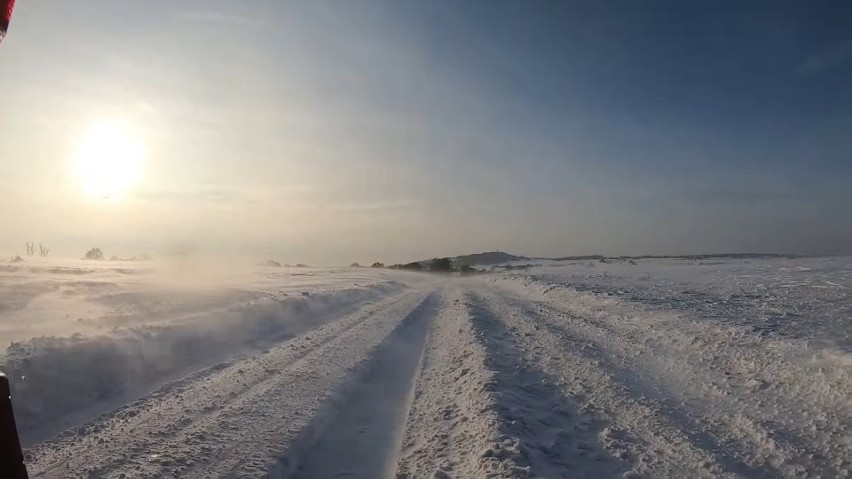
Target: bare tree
[{"x": 42, "y": 250}]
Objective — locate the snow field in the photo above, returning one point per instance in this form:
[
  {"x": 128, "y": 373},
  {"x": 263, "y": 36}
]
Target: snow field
[
  {"x": 392, "y": 375},
  {"x": 744, "y": 398}
]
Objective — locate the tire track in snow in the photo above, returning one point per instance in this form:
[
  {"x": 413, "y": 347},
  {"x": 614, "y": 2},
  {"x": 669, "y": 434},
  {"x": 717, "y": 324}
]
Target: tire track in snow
[
  {"x": 645, "y": 393},
  {"x": 756, "y": 431},
  {"x": 357, "y": 434},
  {"x": 481, "y": 410},
  {"x": 236, "y": 419},
  {"x": 558, "y": 436},
  {"x": 302, "y": 351},
  {"x": 635, "y": 430},
  {"x": 452, "y": 422}
]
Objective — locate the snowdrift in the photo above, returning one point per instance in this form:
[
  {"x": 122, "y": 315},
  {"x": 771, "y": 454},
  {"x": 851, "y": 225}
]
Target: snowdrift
[{"x": 54, "y": 376}]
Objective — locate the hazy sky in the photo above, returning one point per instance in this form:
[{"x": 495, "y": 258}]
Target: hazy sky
[{"x": 330, "y": 132}]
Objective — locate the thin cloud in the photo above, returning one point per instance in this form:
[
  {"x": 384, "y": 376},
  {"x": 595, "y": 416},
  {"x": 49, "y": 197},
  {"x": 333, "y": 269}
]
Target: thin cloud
[
  {"x": 203, "y": 196},
  {"x": 220, "y": 17},
  {"x": 826, "y": 60},
  {"x": 374, "y": 205},
  {"x": 296, "y": 196}
]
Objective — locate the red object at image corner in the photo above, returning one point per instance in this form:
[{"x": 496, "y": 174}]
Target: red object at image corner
[{"x": 6, "y": 7}]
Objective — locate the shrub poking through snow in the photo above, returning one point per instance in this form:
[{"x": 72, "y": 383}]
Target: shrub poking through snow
[{"x": 94, "y": 253}]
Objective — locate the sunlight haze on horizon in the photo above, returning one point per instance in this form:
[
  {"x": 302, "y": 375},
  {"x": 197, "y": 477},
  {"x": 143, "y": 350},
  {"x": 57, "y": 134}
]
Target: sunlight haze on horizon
[{"x": 332, "y": 132}]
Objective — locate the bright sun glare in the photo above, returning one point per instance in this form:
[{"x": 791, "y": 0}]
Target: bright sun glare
[{"x": 109, "y": 159}]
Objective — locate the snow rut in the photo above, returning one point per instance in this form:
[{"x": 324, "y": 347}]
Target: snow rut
[
  {"x": 756, "y": 409},
  {"x": 481, "y": 410},
  {"x": 626, "y": 427},
  {"x": 236, "y": 419},
  {"x": 357, "y": 433},
  {"x": 451, "y": 422}
]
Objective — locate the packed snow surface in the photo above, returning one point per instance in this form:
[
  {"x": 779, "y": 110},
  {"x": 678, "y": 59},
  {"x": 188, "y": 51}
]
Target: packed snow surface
[{"x": 662, "y": 368}]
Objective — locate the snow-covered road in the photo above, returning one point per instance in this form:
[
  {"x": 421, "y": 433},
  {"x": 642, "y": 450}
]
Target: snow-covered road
[{"x": 414, "y": 376}]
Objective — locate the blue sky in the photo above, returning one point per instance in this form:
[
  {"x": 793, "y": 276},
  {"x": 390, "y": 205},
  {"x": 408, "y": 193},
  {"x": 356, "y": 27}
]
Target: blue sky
[{"x": 338, "y": 131}]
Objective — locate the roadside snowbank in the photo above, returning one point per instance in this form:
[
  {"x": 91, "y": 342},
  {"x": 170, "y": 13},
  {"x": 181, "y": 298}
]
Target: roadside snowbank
[
  {"x": 240, "y": 418},
  {"x": 52, "y": 377}
]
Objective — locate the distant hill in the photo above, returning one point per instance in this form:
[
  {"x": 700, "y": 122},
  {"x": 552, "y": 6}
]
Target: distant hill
[
  {"x": 486, "y": 259},
  {"x": 576, "y": 258},
  {"x": 479, "y": 259},
  {"x": 498, "y": 257},
  {"x": 684, "y": 256}
]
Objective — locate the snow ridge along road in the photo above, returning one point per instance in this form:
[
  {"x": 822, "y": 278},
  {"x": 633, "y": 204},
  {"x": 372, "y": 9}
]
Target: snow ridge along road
[
  {"x": 59, "y": 381},
  {"x": 235, "y": 419}
]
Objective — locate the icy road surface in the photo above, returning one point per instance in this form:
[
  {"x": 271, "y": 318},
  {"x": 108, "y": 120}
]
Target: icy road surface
[{"x": 675, "y": 368}]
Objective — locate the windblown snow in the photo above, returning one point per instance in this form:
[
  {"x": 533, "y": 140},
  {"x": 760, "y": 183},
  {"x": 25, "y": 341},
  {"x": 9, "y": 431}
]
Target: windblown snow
[{"x": 663, "y": 368}]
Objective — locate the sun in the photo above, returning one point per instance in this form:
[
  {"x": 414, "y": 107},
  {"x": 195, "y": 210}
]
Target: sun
[{"x": 109, "y": 159}]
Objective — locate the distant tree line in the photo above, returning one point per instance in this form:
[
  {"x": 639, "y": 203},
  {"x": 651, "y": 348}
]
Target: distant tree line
[
  {"x": 98, "y": 254},
  {"x": 275, "y": 264},
  {"x": 438, "y": 265},
  {"x": 374, "y": 265}
]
